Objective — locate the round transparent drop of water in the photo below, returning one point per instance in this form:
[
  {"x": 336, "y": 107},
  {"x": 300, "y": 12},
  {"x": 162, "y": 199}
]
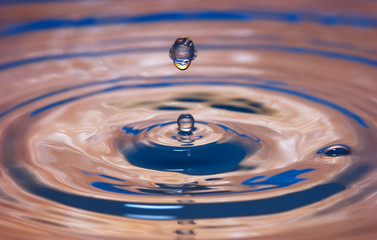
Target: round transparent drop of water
[
  {"x": 185, "y": 123},
  {"x": 182, "y": 52},
  {"x": 337, "y": 151}
]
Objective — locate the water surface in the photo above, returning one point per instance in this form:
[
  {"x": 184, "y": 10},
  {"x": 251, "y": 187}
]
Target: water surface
[{"x": 283, "y": 97}]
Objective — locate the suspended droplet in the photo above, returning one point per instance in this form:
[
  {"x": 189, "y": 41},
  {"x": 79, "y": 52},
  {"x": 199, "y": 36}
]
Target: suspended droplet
[
  {"x": 185, "y": 123},
  {"x": 183, "y": 52},
  {"x": 335, "y": 150}
]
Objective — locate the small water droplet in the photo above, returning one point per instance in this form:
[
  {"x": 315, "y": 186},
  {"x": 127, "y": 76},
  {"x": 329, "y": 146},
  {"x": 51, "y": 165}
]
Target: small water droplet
[
  {"x": 183, "y": 52},
  {"x": 336, "y": 150},
  {"x": 185, "y": 123}
]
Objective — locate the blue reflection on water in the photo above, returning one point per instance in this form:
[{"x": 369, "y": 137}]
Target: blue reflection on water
[
  {"x": 207, "y": 159},
  {"x": 230, "y": 15},
  {"x": 210, "y": 158},
  {"x": 280, "y": 180},
  {"x": 271, "y": 205}
]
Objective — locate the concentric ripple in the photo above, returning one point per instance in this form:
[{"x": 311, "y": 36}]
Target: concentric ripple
[{"x": 283, "y": 144}]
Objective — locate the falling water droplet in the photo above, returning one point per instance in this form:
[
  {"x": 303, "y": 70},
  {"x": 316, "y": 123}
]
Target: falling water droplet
[
  {"x": 185, "y": 123},
  {"x": 183, "y": 52},
  {"x": 336, "y": 150}
]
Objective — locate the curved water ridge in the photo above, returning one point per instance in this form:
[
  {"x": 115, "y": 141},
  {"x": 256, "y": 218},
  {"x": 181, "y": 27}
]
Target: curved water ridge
[{"x": 282, "y": 145}]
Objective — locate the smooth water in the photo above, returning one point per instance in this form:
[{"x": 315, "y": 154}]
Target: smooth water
[{"x": 277, "y": 140}]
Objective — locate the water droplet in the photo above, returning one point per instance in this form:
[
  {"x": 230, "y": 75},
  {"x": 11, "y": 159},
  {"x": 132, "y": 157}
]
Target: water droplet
[
  {"x": 185, "y": 123},
  {"x": 183, "y": 52},
  {"x": 335, "y": 150}
]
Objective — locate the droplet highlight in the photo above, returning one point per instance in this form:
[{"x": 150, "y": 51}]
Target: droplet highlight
[
  {"x": 183, "y": 52},
  {"x": 185, "y": 123}
]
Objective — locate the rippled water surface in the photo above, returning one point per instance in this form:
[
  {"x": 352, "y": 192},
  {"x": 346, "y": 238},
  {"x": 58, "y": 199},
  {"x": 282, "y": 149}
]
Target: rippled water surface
[{"x": 284, "y": 100}]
